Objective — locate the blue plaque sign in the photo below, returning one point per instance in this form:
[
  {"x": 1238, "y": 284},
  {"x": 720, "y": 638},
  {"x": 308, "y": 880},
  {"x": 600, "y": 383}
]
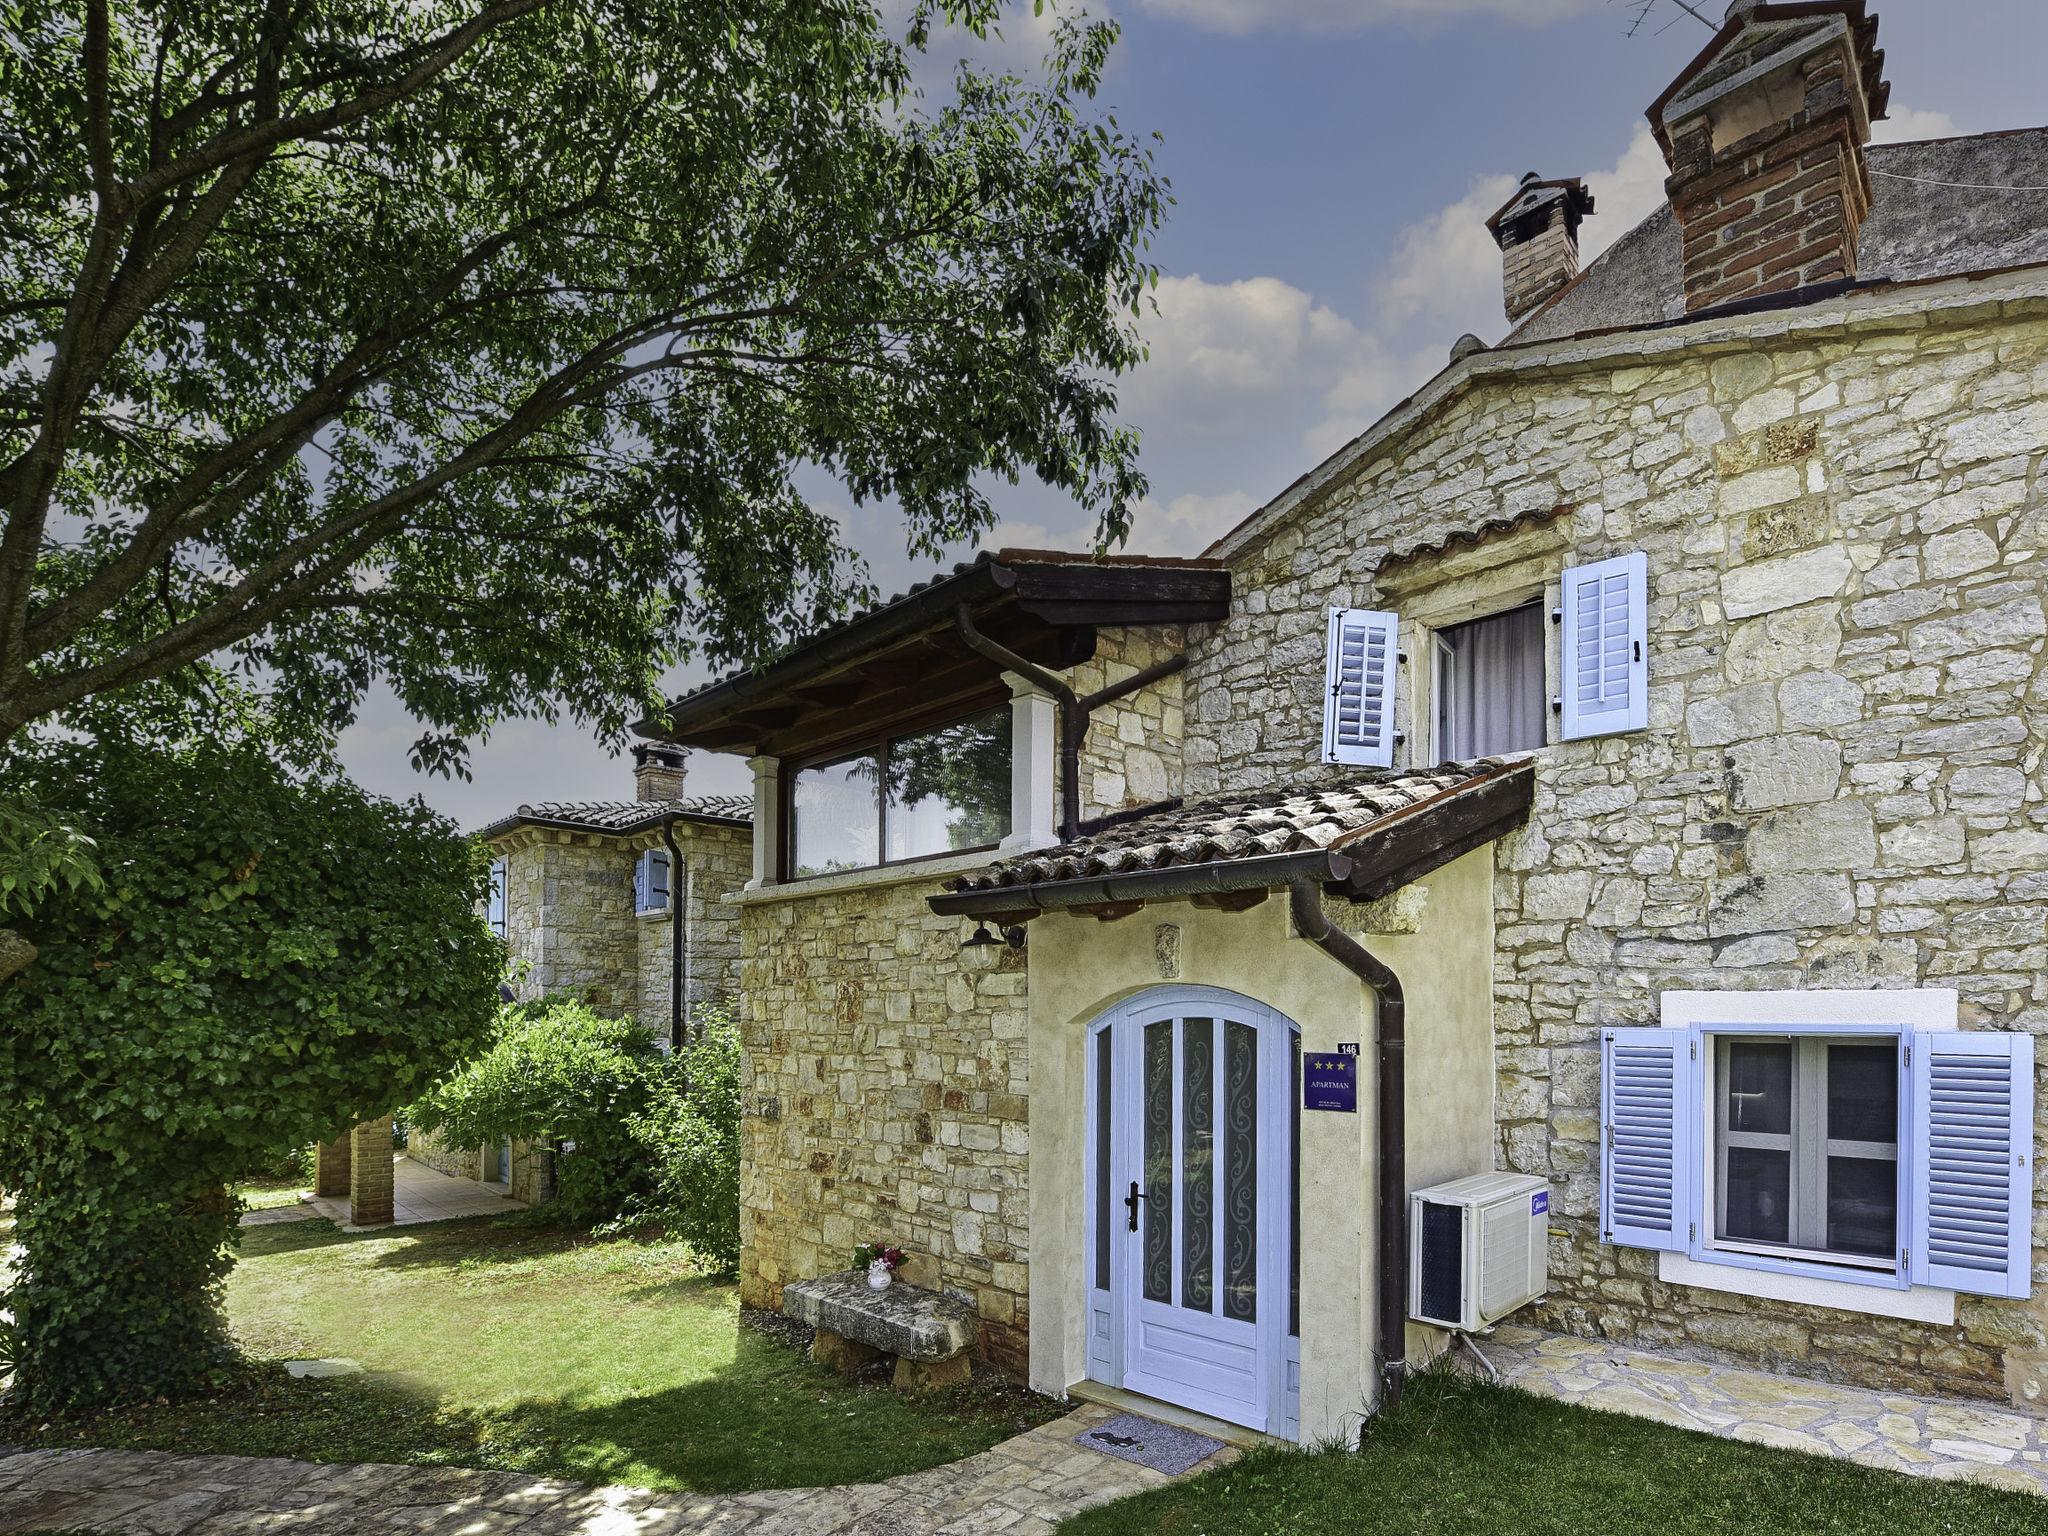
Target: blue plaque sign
[{"x": 1329, "y": 1082}]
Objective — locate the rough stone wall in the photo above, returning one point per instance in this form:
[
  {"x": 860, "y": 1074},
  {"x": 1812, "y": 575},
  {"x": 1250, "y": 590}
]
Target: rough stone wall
[
  {"x": 886, "y": 1082},
  {"x": 1131, "y": 755},
  {"x": 721, "y": 860},
  {"x": 426, "y": 1148},
  {"x": 569, "y": 916},
  {"x": 571, "y": 927},
  {"x": 1842, "y": 780}
]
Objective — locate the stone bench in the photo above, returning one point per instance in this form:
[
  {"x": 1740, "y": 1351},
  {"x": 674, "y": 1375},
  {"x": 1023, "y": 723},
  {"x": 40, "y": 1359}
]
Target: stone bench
[{"x": 928, "y": 1332}]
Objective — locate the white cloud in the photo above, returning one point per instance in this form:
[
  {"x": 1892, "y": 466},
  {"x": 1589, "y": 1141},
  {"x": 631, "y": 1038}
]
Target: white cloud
[
  {"x": 1187, "y": 525},
  {"x": 1624, "y": 196},
  {"x": 1249, "y": 359},
  {"x": 1241, "y": 16},
  {"x": 1236, "y": 359},
  {"x": 1906, "y": 124}
]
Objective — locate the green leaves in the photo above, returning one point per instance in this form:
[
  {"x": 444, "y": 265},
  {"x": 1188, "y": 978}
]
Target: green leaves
[
  {"x": 40, "y": 854},
  {"x": 265, "y": 963},
  {"x": 479, "y": 348}
]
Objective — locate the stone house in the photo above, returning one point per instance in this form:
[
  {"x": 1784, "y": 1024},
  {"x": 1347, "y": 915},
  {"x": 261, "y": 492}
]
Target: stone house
[
  {"x": 1619, "y": 766},
  {"x": 585, "y": 896}
]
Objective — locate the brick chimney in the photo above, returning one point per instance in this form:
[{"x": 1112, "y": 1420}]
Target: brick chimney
[
  {"x": 1537, "y": 231},
  {"x": 1765, "y": 133},
  {"x": 658, "y": 768}
]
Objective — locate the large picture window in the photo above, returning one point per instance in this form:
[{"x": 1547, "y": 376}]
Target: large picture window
[{"x": 944, "y": 790}]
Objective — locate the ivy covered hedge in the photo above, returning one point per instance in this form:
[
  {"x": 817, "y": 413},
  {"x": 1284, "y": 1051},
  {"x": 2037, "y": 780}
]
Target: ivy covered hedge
[{"x": 268, "y": 962}]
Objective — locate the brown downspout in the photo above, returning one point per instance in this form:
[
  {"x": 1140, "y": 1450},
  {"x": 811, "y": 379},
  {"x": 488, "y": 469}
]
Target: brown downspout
[
  {"x": 1305, "y": 901},
  {"x": 1074, "y": 711}
]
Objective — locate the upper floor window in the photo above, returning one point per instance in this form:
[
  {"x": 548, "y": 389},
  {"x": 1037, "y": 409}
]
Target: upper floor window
[
  {"x": 1478, "y": 685},
  {"x": 1489, "y": 685},
  {"x": 650, "y": 881},
  {"x": 943, "y": 790},
  {"x": 495, "y": 909}
]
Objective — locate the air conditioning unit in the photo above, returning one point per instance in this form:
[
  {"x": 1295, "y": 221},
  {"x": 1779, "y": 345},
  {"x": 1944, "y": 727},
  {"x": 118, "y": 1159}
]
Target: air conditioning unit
[{"x": 1478, "y": 1249}]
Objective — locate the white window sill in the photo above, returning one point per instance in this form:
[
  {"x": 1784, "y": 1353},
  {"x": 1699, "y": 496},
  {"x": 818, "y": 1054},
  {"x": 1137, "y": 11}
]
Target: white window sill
[
  {"x": 1920, "y": 1304},
  {"x": 866, "y": 879},
  {"x": 652, "y": 912}
]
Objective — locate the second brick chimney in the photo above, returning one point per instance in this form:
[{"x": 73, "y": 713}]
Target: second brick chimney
[
  {"x": 1765, "y": 133},
  {"x": 658, "y": 768},
  {"x": 1537, "y": 231}
]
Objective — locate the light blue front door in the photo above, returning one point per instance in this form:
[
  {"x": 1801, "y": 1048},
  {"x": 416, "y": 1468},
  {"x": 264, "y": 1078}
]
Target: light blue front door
[{"x": 1191, "y": 1242}]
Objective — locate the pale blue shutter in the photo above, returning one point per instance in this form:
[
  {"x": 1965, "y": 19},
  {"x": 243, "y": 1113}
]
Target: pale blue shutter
[
  {"x": 1606, "y": 647},
  {"x": 1973, "y": 1157},
  {"x": 1358, "y": 688},
  {"x": 640, "y": 883},
  {"x": 1648, "y": 1124},
  {"x": 657, "y": 881},
  {"x": 495, "y": 908}
]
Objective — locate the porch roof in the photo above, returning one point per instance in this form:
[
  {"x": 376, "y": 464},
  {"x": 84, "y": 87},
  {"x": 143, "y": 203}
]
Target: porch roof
[
  {"x": 904, "y": 661},
  {"x": 1360, "y": 838}
]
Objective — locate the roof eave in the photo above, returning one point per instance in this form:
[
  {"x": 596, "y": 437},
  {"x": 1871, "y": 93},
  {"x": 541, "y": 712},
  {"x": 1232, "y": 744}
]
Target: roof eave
[{"x": 512, "y": 823}]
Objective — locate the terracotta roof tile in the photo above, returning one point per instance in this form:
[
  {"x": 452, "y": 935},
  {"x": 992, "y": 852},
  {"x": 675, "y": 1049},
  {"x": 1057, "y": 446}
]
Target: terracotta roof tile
[
  {"x": 622, "y": 817},
  {"x": 1289, "y": 819}
]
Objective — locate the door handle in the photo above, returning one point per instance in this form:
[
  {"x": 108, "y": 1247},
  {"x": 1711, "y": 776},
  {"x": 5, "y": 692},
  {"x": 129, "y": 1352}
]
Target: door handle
[{"x": 1131, "y": 1200}]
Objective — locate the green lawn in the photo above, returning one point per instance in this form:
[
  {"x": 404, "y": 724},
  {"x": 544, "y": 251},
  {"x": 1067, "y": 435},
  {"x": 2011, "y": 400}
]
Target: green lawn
[
  {"x": 1464, "y": 1458},
  {"x": 520, "y": 1348}
]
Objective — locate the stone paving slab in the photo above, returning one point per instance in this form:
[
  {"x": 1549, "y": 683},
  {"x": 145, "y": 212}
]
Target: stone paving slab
[
  {"x": 1022, "y": 1487},
  {"x": 1929, "y": 1437}
]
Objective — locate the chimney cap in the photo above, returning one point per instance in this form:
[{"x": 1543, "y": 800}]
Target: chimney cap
[
  {"x": 1758, "y": 37},
  {"x": 1528, "y": 210},
  {"x": 666, "y": 753}
]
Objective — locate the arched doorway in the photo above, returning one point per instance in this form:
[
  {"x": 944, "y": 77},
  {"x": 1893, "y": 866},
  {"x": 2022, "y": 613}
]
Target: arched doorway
[{"x": 1192, "y": 1166}]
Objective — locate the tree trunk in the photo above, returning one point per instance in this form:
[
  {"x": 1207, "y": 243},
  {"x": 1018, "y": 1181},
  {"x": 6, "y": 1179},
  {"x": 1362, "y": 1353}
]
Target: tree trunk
[
  {"x": 118, "y": 1291},
  {"x": 15, "y": 952}
]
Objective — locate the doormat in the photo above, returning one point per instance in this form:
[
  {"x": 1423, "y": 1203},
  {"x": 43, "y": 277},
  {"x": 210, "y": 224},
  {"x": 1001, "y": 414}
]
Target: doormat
[{"x": 1149, "y": 1443}]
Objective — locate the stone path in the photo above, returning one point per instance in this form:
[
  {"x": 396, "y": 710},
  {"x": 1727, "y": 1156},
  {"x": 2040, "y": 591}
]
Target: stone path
[
  {"x": 1023, "y": 1487},
  {"x": 1933, "y": 1437},
  {"x": 419, "y": 1193}
]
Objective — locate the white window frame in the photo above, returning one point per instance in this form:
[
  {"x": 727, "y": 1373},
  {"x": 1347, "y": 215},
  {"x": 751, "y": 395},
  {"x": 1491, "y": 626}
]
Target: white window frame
[{"x": 1705, "y": 1016}]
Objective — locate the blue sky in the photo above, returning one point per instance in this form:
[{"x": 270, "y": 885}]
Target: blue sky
[{"x": 1332, "y": 162}]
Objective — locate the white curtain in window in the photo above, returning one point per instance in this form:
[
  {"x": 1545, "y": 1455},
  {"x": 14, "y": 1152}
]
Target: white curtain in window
[{"x": 1492, "y": 676}]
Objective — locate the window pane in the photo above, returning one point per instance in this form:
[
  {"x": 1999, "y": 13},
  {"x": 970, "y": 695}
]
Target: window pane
[
  {"x": 1863, "y": 1205},
  {"x": 1493, "y": 685},
  {"x": 1760, "y": 1088},
  {"x": 1198, "y": 1171},
  {"x": 1759, "y": 1195},
  {"x": 950, "y": 788},
  {"x": 1159, "y": 1161},
  {"x": 1863, "y": 1094},
  {"x": 837, "y": 816},
  {"x": 1241, "y": 1176}
]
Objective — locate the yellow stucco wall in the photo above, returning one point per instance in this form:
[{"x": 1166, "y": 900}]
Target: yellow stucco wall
[{"x": 1080, "y": 967}]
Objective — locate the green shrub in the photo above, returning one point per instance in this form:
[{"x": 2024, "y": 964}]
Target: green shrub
[
  {"x": 560, "y": 1075},
  {"x": 639, "y": 1136},
  {"x": 691, "y": 1134}
]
